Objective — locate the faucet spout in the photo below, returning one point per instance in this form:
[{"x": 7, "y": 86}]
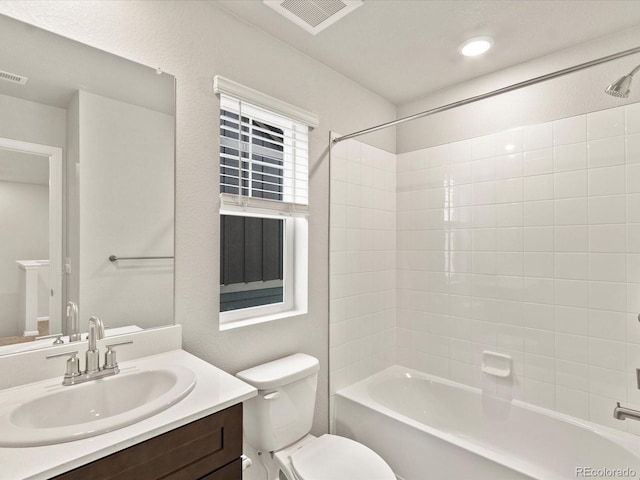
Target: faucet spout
[
  {"x": 93, "y": 371},
  {"x": 622, "y": 413},
  {"x": 96, "y": 332},
  {"x": 73, "y": 326}
]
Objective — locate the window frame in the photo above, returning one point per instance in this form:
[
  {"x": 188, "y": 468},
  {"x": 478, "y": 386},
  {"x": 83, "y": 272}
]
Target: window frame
[
  {"x": 296, "y": 239},
  {"x": 288, "y": 270},
  {"x": 295, "y": 242}
]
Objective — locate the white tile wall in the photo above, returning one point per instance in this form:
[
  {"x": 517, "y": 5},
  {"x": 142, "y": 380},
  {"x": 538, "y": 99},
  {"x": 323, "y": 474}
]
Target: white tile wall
[
  {"x": 363, "y": 259},
  {"x": 525, "y": 242}
]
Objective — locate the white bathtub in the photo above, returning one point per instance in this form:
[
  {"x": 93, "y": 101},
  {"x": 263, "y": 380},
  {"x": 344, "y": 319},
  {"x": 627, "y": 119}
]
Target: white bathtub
[{"x": 427, "y": 428}]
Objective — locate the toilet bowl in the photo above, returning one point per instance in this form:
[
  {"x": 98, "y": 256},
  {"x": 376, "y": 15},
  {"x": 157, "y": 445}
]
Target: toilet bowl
[
  {"x": 331, "y": 457},
  {"x": 278, "y": 420}
]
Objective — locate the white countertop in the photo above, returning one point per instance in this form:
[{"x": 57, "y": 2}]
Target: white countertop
[
  {"x": 215, "y": 390},
  {"x": 48, "y": 342}
]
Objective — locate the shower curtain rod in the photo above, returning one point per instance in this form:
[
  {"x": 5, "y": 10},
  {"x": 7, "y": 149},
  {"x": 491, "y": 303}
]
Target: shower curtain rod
[{"x": 493, "y": 93}]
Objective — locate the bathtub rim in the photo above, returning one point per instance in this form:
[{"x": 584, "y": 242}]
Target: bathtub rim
[{"x": 358, "y": 393}]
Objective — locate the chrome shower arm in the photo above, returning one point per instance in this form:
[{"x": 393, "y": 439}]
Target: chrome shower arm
[{"x": 500, "y": 91}]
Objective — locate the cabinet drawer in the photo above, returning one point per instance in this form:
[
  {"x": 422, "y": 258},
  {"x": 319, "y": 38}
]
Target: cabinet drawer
[{"x": 189, "y": 452}]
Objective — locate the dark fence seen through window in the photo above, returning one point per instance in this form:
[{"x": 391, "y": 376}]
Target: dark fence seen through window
[{"x": 251, "y": 265}]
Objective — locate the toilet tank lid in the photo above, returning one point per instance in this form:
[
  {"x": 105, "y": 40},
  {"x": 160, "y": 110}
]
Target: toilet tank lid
[{"x": 280, "y": 372}]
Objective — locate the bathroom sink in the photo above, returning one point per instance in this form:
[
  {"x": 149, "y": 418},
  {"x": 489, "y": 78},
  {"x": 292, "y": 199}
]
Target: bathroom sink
[{"x": 44, "y": 414}]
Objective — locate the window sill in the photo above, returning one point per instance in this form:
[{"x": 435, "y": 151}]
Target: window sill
[{"x": 246, "y": 322}]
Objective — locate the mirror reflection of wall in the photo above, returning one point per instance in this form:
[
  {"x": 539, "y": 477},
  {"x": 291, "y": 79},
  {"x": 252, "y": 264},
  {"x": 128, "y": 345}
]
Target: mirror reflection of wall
[
  {"x": 24, "y": 216},
  {"x": 28, "y": 133},
  {"x": 125, "y": 207},
  {"x": 113, "y": 121}
]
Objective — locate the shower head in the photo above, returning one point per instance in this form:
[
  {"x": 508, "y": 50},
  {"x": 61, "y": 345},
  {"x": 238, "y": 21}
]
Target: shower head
[{"x": 620, "y": 88}]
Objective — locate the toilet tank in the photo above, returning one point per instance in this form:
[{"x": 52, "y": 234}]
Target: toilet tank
[{"x": 282, "y": 412}]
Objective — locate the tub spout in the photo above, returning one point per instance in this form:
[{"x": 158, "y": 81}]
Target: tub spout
[{"x": 622, "y": 413}]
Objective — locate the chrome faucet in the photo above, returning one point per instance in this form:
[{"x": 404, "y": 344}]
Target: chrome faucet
[
  {"x": 73, "y": 326},
  {"x": 92, "y": 370},
  {"x": 622, "y": 413},
  {"x": 96, "y": 332}
]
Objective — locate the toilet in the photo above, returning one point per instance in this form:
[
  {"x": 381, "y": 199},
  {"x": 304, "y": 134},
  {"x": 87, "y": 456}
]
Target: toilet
[{"x": 279, "y": 420}]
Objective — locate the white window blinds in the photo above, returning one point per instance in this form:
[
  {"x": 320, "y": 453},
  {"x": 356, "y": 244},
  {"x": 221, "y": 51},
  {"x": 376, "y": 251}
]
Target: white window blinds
[{"x": 264, "y": 159}]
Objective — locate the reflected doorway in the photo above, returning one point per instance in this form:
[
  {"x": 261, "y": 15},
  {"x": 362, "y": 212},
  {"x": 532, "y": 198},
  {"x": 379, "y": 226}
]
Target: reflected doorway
[{"x": 31, "y": 206}]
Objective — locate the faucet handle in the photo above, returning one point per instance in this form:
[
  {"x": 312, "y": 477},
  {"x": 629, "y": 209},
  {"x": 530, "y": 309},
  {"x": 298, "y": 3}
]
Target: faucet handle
[
  {"x": 73, "y": 363},
  {"x": 63, "y": 354},
  {"x": 110, "y": 355},
  {"x": 58, "y": 338},
  {"x": 117, "y": 344}
]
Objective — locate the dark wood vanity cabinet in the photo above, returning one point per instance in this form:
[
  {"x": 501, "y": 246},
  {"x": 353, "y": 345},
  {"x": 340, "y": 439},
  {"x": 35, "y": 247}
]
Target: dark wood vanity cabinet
[{"x": 209, "y": 448}]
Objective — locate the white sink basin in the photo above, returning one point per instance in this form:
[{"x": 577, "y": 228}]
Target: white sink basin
[{"x": 43, "y": 414}]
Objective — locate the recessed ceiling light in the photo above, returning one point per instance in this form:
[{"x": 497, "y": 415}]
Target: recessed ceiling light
[{"x": 476, "y": 46}]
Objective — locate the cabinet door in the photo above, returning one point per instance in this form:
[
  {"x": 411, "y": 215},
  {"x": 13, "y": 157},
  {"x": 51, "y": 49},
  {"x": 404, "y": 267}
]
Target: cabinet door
[
  {"x": 233, "y": 471},
  {"x": 190, "y": 452}
]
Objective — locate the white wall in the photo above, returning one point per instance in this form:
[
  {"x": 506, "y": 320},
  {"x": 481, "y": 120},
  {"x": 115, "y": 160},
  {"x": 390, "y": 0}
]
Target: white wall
[
  {"x": 518, "y": 263},
  {"x": 573, "y": 94},
  {"x": 72, "y": 204},
  {"x": 362, "y": 262},
  {"x": 522, "y": 242},
  {"x": 126, "y": 208},
  {"x": 24, "y": 217},
  {"x": 32, "y": 122},
  {"x": 195, "y": 41},
  {"x": 525, "y": 242},
  {"x": 36, "y": 123}
]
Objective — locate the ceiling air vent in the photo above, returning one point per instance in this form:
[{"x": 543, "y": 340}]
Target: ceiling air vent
[
  {"x": 13, "y": 78},
  {"x": 313, "y": 15}
]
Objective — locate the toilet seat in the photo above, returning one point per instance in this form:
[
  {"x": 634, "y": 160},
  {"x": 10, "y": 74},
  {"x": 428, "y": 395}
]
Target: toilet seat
[{"x": 331, "y": 457}]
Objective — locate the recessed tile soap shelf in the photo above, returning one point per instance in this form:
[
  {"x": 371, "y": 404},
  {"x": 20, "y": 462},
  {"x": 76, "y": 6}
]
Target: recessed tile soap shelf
[{"x": 496, "y": 364}]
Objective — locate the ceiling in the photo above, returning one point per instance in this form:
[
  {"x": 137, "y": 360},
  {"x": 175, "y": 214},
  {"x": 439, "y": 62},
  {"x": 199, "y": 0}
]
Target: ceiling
[{"x": 405, "y": 49}]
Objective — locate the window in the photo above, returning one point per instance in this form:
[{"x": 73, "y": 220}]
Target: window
[
  {"x": 251, "y": 262},
  {"x": 263, "y": 211}
]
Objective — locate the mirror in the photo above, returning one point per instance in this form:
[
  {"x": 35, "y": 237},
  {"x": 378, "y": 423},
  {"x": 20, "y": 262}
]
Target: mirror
[{"x": 86, "y": 189}]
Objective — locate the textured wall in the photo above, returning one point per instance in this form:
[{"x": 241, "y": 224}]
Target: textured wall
[{"x": 195, "y": 41}]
